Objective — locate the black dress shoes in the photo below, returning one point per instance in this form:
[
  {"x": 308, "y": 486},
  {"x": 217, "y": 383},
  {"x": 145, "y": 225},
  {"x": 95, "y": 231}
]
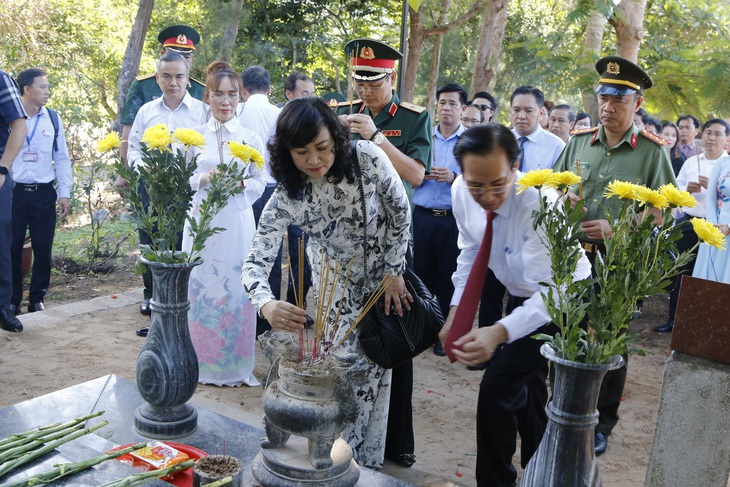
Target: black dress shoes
[
  {"x": 479, "y": 366},
  {"x": 665, "y": 328},
  {"x": 144, "y": 308},
  {"x": 600, "y": 442},
  {"x": 33, "y": 307},
  {"x": 405, "y": 460},
  {"x": 438, "y": 349},
  {"x": 8, "y": 321},
  {"x": 142, "y": 332}
]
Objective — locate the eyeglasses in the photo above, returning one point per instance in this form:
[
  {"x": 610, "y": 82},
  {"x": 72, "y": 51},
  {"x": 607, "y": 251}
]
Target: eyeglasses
[
  {"x": 477, "y": 190},
  {"x": 368, "y": 88},
  {"x": 224, "y": 96},
  {"x": 473, "y": 121},
  {"x": 483, "y": 108},
  {"x": 714, "y": 135}
]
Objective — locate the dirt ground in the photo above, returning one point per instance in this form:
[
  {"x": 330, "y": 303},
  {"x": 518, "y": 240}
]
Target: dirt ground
[{"x": 46, "y": 358}]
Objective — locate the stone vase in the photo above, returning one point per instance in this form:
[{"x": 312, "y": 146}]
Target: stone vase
[
  {"x": 167, "y": 365},
  {"x": 566, "y": 453}
]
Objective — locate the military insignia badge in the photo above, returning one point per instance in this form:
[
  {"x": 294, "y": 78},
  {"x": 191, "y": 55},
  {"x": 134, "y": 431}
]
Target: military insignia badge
[
  {"x": 367, "y": 53},
  {"x": 613, "y": 68},
  {"x": 182, "y": 39}
]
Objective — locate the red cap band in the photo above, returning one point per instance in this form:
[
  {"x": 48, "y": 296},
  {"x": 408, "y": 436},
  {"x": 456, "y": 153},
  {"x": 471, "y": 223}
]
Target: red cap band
[{"x": 374, "y": 63}]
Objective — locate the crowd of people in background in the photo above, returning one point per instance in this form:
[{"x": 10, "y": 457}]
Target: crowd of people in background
[{"x": 429, "y": 194}]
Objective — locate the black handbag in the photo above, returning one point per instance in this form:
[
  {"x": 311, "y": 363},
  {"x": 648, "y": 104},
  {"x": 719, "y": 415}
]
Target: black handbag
[{"x": 391, "y": 340}]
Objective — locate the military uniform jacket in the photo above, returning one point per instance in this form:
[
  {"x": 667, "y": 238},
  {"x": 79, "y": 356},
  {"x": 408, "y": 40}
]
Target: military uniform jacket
[
  {"x": 407, "y": 127},
  {"x": 639, "y": 158},
  {"x": 145, "y": 89}
]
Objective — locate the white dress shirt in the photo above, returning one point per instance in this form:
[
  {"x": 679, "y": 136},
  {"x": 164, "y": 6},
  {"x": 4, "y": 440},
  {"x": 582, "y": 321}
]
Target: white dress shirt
[
  {"x": 542, "y": 149},
  {"x": 692, "y": 169},
  {"x": 189, "y": 114},
  {"x": 260, "y": 116},
  {"x": 45, "y": 164},
  {"x": 518, "y": 257}
]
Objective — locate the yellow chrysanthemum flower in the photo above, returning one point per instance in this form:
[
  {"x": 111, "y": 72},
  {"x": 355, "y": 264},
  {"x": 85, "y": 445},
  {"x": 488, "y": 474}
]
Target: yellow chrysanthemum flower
[
  {"x": 534, "y": 179},
  {"x": 564, "y": 179},
  {"x": 246, "y": 153},
  {"x": 676, "y": 198},
  {"x": 621, "y": 189},
  {"x": 158, "y": 137},
  {"x": 108, "y": 143},
  {"x": 650, "y": 197},
  {"x": 189, "y": 138},
  {"x": 708, "y": 233}
]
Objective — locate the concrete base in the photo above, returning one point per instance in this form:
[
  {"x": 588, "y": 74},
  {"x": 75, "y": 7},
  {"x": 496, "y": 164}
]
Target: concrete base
[
  {"x": 289, "y": 466},
  {"x": 692, "y": 436}
]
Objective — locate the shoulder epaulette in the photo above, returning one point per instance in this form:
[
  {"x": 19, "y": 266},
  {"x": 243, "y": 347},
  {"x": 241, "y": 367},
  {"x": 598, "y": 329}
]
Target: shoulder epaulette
[
  {"x": 412, "y": 107},
  {"x": 653, "y": 137},
  {"x": 146, "y": 76},
  {"x": 591, "y": 130},
  {"x": 347, "y": 103},
  {"x": 193, "y": 80}
]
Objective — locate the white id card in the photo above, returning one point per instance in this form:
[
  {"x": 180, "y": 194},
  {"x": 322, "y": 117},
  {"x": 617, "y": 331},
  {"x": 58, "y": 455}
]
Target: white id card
[{"x": 30, "y": 156}]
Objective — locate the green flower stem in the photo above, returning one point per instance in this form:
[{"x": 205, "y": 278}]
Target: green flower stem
[
  {"x": 144, "y": 477},
  {"x": 219, "y": 483},
  {"x": 11, "y": 441},
  {"x": 32, "y": 455},
  {"x": 66, "y": 469}
]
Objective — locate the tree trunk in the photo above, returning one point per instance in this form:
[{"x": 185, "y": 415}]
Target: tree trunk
[
  {"x": 228, "y": 42},
  {"x": 433, "y": 75},
  {"x": 628, "y": 21},
  {"x": 416, "y": 39},
  {"x": 133, "y": 53},
  {"x": 490, "y": 44},
  {"x": 591, "y": 53},
  {"x": 335, "y": 64}
]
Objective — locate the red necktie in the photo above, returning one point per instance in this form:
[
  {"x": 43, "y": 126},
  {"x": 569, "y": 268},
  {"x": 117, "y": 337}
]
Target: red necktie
[{"x": 464, "y": 318}]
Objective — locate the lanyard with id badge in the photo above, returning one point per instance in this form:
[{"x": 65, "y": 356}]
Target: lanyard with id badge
[{"x": 29, "y": 156}]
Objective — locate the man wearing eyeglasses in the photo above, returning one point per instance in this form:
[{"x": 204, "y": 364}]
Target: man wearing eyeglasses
[
  {"x": 177, "y": 109},
  {"x": 485, "y": 103},
  {"x": 472, "y": 116},
  {"x": 403, "y": 131},
  {"x": 615, "y": 150}
]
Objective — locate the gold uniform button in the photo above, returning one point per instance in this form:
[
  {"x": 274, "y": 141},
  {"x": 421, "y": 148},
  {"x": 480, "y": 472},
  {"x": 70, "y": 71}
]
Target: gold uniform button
[
  {"x": 595, "y": 201},
  {"x": 600, "y": 176}
]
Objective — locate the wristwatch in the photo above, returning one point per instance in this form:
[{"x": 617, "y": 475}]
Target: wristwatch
[
  {"x": 3, "y": 170},
  {"x": 378, "y": 137}
]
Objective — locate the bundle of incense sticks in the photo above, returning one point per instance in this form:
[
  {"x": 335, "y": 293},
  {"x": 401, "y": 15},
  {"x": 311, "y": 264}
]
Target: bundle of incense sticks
[{"x": 580, "y": 184}]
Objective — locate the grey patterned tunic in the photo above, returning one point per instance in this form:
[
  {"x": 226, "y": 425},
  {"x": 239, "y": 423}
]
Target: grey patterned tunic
[{"x": 332, "y": 217}]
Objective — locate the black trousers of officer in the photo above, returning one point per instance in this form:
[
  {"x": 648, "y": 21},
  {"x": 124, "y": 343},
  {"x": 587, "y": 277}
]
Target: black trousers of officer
[
  {"x": 6, "y": 237},
  {"x": 512, "y": 400},
  {"x": 612, "y": 387},
  {"x": 435, "y": 252},
  {"x": 34, "y": 209},
  {"x": 686, "y": 242}
]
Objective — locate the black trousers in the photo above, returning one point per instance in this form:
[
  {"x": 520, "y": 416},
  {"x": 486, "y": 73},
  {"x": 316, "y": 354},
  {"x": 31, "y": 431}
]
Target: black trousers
[
  {"x": 685, "y": 243},
  {"x": 491, "y": 304},
  {"x": 34, "y": 209},
  {"x": 6, "y": 237},
  {"x": 612, "y": 387},
  {"x": 512, "y": 400}
]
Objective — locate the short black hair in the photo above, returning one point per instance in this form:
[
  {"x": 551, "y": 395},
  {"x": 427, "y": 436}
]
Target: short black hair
[
  {"x": 654, "y": 123},
  {"x": 717, "y": 121},
  {"x": 582, "y": 115},
  {"x": 484, "y": 94},
  {"x": 645, "y": 117},
  {"x": 452, "y": 88},
  {"x": 695, "y": 120},
  {"x": 299, "y": 123},
  {"x": 291, "y": 80},
  {"x": 483, "y": 139},
  {"x": 27, "y": 76},
  {"x": 256, "y": 79},
  {"x": 571, "y": 112},
  {"x": 529, "y": 90}
]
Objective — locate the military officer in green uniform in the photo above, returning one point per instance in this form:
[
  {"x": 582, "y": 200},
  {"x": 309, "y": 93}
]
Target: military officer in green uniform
[
  {"x": 617, "y": 150},
  {"x": 403, "y": 131},
  {"x": 179, "y": 38}
]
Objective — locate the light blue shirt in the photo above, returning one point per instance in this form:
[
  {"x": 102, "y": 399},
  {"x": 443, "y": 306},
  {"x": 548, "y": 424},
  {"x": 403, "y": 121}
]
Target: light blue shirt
[
  {"x": 542, "y": 149},
  {"x": 433, "y": 194}
]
